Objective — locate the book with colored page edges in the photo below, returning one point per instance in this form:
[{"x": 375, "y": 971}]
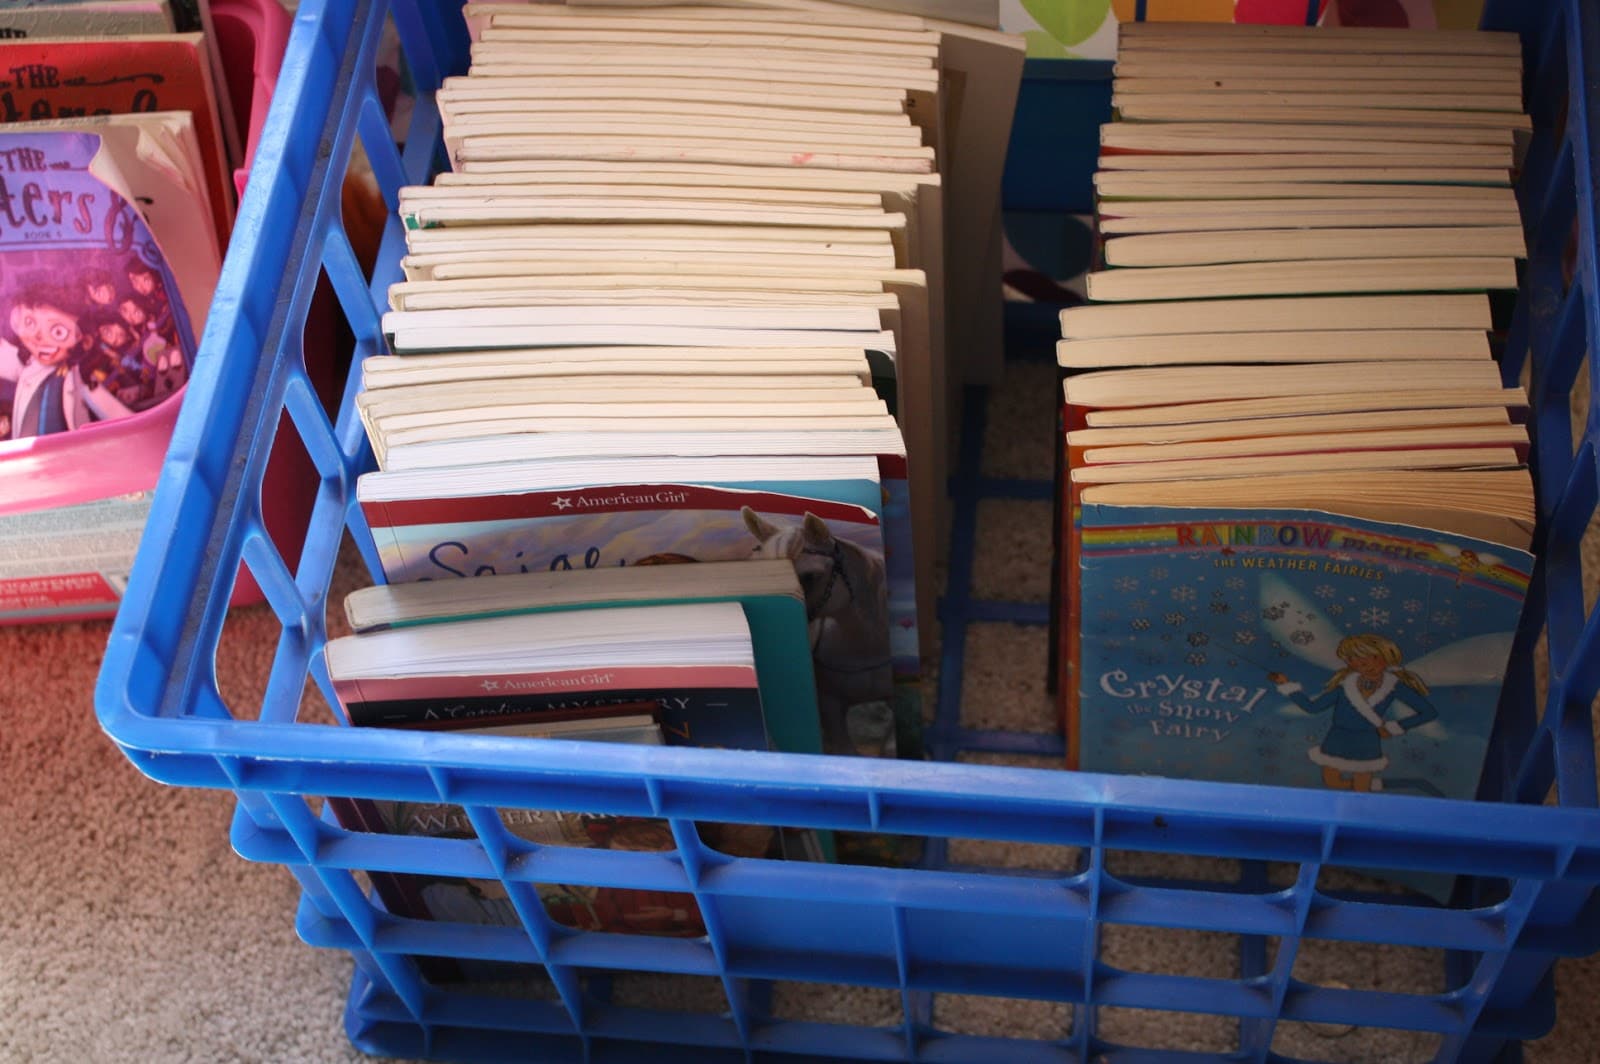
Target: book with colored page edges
[
  {"x": 675, "y": 675},
  {"x": 694, "y": 661},
  {"x": 100, "y": 305},
  {"x": 1292, "y": 647}
]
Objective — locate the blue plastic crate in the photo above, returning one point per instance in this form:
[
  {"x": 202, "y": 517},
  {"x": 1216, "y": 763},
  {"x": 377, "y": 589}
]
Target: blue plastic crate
[{"x": 1532, "y": 869}]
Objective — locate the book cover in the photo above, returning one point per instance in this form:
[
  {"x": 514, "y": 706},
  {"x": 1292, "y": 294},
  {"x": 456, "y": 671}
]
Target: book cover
[
  {"x": 1291, "y": 647},
  {"x": 777, "y": 623},
  {"x": 42, "y": 79},
  {"x": 94, "y": 329},
  {"x": 587, "y": 908},
  {"x": 93, "y": 341},
  {"x": 617, "y": 910},
  {"x": 862, "y": 632},
  {"x": 716, "y": 706},
  {"x": 614, "y": 909},
  {"x": 71, "y": 561}
]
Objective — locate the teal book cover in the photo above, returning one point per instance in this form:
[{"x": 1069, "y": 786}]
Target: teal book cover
[
  {"x": 777, "y": 626},
  {"x": 1293, "y": 648}
]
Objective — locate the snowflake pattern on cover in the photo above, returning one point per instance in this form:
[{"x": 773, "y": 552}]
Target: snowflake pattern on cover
[{"x": 1283, "y": 613}]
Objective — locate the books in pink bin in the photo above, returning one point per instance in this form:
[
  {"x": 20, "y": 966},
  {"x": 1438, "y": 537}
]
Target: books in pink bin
[
  {"x": 85, "y": 18},
  {"x": 100, "y": 307}
]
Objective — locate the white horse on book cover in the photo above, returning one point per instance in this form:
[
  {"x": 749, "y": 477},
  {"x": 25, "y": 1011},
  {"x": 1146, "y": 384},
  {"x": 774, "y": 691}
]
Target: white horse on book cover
[{"x": 847, "y": 607}]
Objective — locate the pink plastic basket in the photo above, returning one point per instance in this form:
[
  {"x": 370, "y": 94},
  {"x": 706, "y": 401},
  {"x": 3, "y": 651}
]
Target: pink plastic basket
[{"x": 125, "y": 456}]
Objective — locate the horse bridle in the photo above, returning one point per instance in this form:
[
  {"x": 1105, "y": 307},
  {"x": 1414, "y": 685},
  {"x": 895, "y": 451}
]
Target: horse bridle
[{"x": 836, "y": 573}]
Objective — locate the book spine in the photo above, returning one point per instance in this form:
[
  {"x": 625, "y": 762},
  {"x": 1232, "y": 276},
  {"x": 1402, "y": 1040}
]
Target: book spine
[
  {"x": 1064, "y": 643},
  {"x": 391, "y": 553},
  {"x": 900, "y": 565},
  {"x": 717, "y": 717}
]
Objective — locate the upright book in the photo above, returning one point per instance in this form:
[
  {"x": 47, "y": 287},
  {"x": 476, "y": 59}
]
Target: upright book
[
  {"x": 1379, "y": 224},
  {"x": 97, "y": 342},
  {"x": 1293, "y": 647},
  {"x": 63, "y": 78},
  {"x": 830, "y": 530}
]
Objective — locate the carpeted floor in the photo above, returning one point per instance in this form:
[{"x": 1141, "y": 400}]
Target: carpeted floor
[{"x": 131, "y": 932}]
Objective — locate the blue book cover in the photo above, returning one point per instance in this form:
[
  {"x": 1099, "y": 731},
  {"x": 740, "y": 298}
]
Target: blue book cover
[{"x": 1292, "y": 647}]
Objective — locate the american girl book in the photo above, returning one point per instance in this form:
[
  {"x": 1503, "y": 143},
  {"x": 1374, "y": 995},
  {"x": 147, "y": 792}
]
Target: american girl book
[
  {"x": 862, "y": 629},
  {"x": 579, "y": 907},
  {"x": 676, "y": 675},
  {"x": 1292, "y": 647},
  {"x": 486, "y": 902}
]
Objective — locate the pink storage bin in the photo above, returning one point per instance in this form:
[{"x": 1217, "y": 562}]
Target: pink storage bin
[{"x": 125, "y": 456}]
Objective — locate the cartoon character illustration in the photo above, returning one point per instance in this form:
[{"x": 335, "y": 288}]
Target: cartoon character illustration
[
  {"x": 135, "y": 313},
  {"x": 100, "y": 289},
  {"x": 56, "y": 386},
  {"x": 164, "y": 365},
  {"x": 115, "y": 347},
  {"x": 470, "y": 901},
  {"x": 115, "y": 339},
  {"x": 146, "y": 284},
  {"x": 1375, "y": 695},
  {"x": 847, "y": 609},
  {"x": 1360, "y": 696},
  {"x": 1471, "y": 564}
]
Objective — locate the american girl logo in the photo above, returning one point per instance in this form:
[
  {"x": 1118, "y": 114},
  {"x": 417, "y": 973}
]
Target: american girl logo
[{"x": 582, "y": 502}]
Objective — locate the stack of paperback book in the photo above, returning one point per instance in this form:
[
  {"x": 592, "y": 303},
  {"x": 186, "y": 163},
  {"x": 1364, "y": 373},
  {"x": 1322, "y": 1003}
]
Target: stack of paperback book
[
  {"x": 1294, "y": 515},
  {"x": 684, "y": 655},
  {"x": 671, "y": 341}
]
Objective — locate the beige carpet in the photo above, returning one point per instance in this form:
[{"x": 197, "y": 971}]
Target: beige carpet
[{"x": 129, "y": 931}]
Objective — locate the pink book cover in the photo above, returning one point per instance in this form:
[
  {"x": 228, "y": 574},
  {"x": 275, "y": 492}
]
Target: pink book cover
[
  {"x": 95, "y": 350},
  {"x": 42, "y": 78},
  {"x": 104, "y": 473}
]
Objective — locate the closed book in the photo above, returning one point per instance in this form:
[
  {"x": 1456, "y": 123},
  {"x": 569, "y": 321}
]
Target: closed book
[
  {"x": 1293, "y": 647},
  {"x": 59, "y": 78},
  {"x": 864, "y": 612},
  {"x": 101, "y": 300}
]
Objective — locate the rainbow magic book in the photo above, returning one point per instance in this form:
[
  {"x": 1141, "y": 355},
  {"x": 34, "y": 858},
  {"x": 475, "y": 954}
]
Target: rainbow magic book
[{"x": 1292, "y": 647}]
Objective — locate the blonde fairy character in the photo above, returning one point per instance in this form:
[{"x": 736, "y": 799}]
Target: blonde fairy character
[{"x": 1360, "y": 696}]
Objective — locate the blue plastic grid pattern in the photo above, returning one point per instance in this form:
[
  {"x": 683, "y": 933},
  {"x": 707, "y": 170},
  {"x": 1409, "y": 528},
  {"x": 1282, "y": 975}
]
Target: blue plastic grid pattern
[{"x": 915, "y": 931}]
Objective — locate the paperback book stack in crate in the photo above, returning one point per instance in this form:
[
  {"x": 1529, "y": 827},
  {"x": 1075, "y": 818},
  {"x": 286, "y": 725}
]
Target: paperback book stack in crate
[
  {"x": 660, "y": 433},
  {"x": 1530, "y": 869},
  {"x": 1296, "y": 517}
]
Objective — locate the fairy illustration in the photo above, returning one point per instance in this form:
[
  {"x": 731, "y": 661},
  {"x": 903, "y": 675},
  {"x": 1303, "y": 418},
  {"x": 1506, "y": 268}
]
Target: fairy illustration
[
  {"x": 1360, "y": 695},
  {"x": 1373, "y": 694},
  {"x": 1471, "y": 565}
]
